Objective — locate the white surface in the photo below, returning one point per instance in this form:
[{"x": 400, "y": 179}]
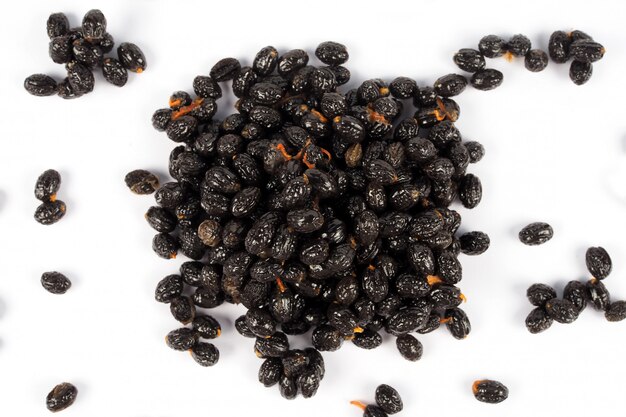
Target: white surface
[{"x": 555, "y": 152}]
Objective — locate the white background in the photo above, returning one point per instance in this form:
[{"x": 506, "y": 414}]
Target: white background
[{"x": 555, "y": 152}]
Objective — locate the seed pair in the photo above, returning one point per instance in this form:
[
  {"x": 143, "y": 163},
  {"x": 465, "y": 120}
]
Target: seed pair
[
  {"x": 388, "y": 402},
  {"x": 51, "y": 209},
  {"x": 578, "y": 47},
  {"x": 82, "y": 50}
]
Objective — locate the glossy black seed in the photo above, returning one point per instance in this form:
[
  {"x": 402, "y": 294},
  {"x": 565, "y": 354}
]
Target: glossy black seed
[
  {"x": 181, "y": 339},
  {"x": 576, "y": 35},
  {"x": 169, "y": 288},
  {"x": 131, "y": 57},
  {"x": 207, "y": 298},
  {"x": 182, "y": 129},
  {"x": 305, "y": 220},
  {"x": 450, "y": 85},
  {"x": 165, "y": 245},
  {"x": 206, "y": 87},
  {"x": 326, "y": 338},
  {"x": 161, "y": 118},
  {"x": 292, "y": 61},
  {"x": 94, "y": 25},
  {"x": 409, "y": 347},
  {"x": 141, "y": 182},
  {"x": 470, "y": 191},
  {"x": 205, "y": 354},
  {"x": 388, "y": 399},
  {"x": 580, "y": 72},
  {"x": 536, "y": 233},
  {"x": 487, "y": 79},
  {"x": 242, "y": 327},
  {"x": 61, "y": 397},
  {"x": 265, "y": 61},
  {"x": 540, "y": 294},
  {"x": 616, "y": 311},
  {"x": 598, "y": 294},
  {"x": 265, "y": 94},
  {"x": 60, "y": 49},
  {"x": 308, "y": 382},
  {"x": 273, "y": 346},
  {"x": 558, "y": 46},
  {"x": 288, "y": 387},
  {"x": 408, "y": 320},
  {"x": 538, "y": 321},
  {"x": 474, "y": 243},
  {"x": 586, "y": 50},
  {"x": 536, "y": 60},
  {"x": 106, "y": 43},
  {"x": 114, "y": 72},
  {"x": 518, "y": 45},
  {"x": 40, "y": 85},
  {"x": 457, "y": 323},
  {"x": 80, "y": 78},
  {"x": 206, "y": 326},
  {"x": 491, "y": 392},
  {"x": 47, "y": 185},
  {"x": 260, "y": 322},
  {"x": 576, "y": 292},
  {"x": 469, "y": 60},
  {"x": 50, "y": 212},
  {"x": 332, "y": 53},
  {"x": 222, "y": 180},
  {"x": 475, "y": 150},
  {"x": 270, "y": 371},
  {"x": 491, "y": 46},
  {"x": 599, "y": 263},
  {"x": 367, "y": 340},
  {"x": 562, "y": 311},
  {"x": 57, "y": 25},
  {"x": 183, "y": 309},
  {"x": 245, "y": 201},
  {"x": 55, "y": 282}
]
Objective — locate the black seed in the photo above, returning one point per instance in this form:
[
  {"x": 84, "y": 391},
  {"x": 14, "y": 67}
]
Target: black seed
[
  {"x": 270, "y": 372},
  {"x": 458, "y": 323},
  {"x": 225, "y": 69},
  {"x": 580, "y": 72},
  {"x": 558, "y": 47},
  {"x": 55, "y": 282},
  {"x": 474, "y": 243},
  {"x": 536, "y": 233},
  {"x": 576, "y": 292},
  {"x": 165, "y": 245},
  {"x": 205, "y": 354},
  {"x": 50, "y": 212},
  {"x": 598, "y": 262},
  {"x": 114, "y": 72},
  {"x": 169, "y": 288},
  {"x": 540, "y": 294},
  {"x": 131, "y": 57},
  {"x": 475, "y": 150},
  {"x": 47, "y": 185},
  {"x": 40, "y": 85},
  {"x": 388, "y": 399},
  {"x": 181, "y": 339},
  {"x": 518, "y": 45},
  {"x": 61, "y": 397},
  {"x": 57, "y": 25},
  {"x": 586, "y": 50},
  {"x": 141, "y": 182},
  {"x": 292, "y": 61},
  {"x": 60, "y": 49},
  {"x": 536, "y": 60},
  {"x": 80, "y": 78},
  {"x": 332, "y": 53},
  {"x": 538, "y": 320},
  {"x": 562, "y": 311},
  {"x": 486, "y": 79},
  {"x": 491, "y": 46},
  {"x": 450, "y": 85},
  {"x": 616, "y": 311},
  {"x": 470, "y": 191},
  {"x": 598, "y": 294},
  {"x": 206, "y": 326},
  {"x": 273, "y": 346},
  {"x": 491, "y": 392},
  {"x": 469, "y": 60},
  {"x": 94, "y": 25},
  {"x": 409, "y": 347}
]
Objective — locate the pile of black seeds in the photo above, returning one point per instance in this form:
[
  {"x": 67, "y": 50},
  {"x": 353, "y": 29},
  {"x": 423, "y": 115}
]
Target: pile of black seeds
[
  {"x": 320, "y": 211},
  {"x": 51, "y": 210},
  {"x": 82, "y": 50},
  {"x": 324, "y": 212},
  {"x": 576, "y": 296}
]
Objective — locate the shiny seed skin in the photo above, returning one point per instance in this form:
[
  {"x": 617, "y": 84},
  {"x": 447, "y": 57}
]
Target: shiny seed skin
[
  {"x": 562, "y": 311},
  {"x": 580, "y": 72},
  {"x": 616, "y": 311},
  {"x": 599, "y": 263},
  {"x": 57, "y": 25},
  {"x": 538, "y": 320},
  {"x": 50, "y": 212},
  {"x": 491, "y": 46},
  {"x": 205, "y": 354},
  {"x": 599, "y": 295},
  {"x": 181, "y": 339},
  {"x": 490, "y": 392},
  {"x": 388, "y": 399},
  {"x": 114, "y": 72},
  {"x": 474, "y": 243},
  {"x": 536, "y": 60},
  {"x": 332, "y": 53},
  {"x": 141, "y": 182},
  {"x": 225, "y": 69},
  {"x": 536, "y": 233},
  {"x": 61, "y": 397},
  {"x": 47, "y": 185},
  {"x": 131, "y": 57},
  {"x": 469, "y": 60},
  {"x": 40, "y": 85},
  {"x": 409, "y": 347},
  {"x": 55, "y": 282},
  {"x": 487, "y": 79},
  {"x": 558, "y": 47},
  {"x": 540, "y": 294}
]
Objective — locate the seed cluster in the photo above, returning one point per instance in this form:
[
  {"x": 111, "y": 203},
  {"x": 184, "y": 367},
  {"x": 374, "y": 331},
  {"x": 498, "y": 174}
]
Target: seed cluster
[
  {"x": 316, "y": 209},
  {"x": 388, "y": 402},
  {"x": 51, "y": 210},
  {"x": 82, "y": 50},
  {"x": 576, "y": 296},
  {"x": 576, "y": 46}
]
